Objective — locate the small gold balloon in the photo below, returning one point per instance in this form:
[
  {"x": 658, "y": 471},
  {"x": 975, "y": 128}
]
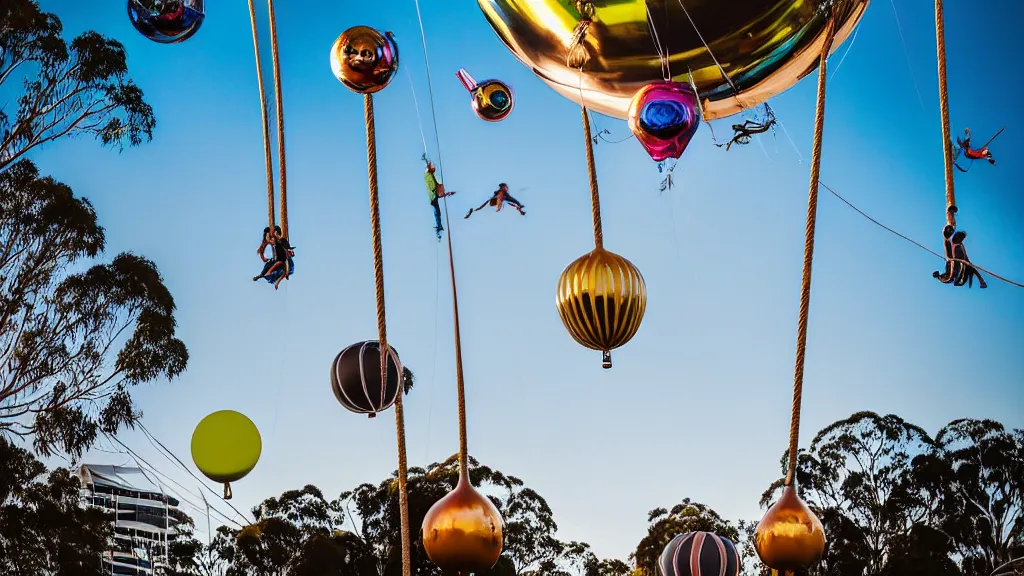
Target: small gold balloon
[
  {"x": 789, "y": 537},
  {"x": 364, "y": 60},
  {"x": 737, "y": 53},
  {"x": 463, "y": 532},
  {"x": 601, "y": 300}
]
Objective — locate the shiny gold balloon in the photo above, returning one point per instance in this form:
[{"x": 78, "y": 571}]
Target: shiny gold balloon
[
  {"x": 789, "y": 537},
  {"x": 364, "y": 60},
  {"x": 463, "y": 532},
  {"x": 763, "y": 46},
  {"x": 601, "y": 299}
]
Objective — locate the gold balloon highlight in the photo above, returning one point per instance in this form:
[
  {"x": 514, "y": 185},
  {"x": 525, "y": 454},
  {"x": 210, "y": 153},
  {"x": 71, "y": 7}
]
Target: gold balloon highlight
[
  {"x": 601, "y": 300},
  {"x": 463, "y": 532},
  {"x": 364, "y": 60},
  {"x": 763, "y": 46},
  {"x": 789, "y": 537}
]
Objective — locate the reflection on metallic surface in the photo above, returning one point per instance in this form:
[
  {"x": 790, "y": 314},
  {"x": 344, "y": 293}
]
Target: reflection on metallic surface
[
  {"x": 364, "y": 60},
  {"x": 789, "y": 537},
  {"x": 463, "y": 532},
  {"x": 167, "y": 21},
  {"x": 601, "y": 300},
  {"x": 492, "y": 100},
  {"x": 664, "y": 116},
  {"x": 763, "y": 46}
]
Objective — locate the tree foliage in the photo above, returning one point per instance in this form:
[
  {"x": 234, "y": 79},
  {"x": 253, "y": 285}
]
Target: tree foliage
[
  {"x": 72, "y": 344},
  {"x": 68, "y": 88},
  {"x": 43, "y": 528}
]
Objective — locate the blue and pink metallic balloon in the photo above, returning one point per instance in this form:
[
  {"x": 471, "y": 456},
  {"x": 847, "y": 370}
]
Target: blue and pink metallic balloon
[{"x": 664, "y": 116}]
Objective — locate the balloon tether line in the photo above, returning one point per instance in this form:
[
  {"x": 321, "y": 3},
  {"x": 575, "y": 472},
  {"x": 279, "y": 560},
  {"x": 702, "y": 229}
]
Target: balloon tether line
[
  {"x": 805, "y": 282},
  {"x": 382, "y": 334},
  {"x": 459, "y": 375},
  {"x": 595, "y": 199}
]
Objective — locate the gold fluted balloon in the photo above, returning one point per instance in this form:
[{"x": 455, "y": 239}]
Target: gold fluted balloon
[
  {"x": 763, "y": 46},
  {"x": 601, "y": 300},
  {"x": 463, "y": 532},
  {"x": 790, "y": 537}
]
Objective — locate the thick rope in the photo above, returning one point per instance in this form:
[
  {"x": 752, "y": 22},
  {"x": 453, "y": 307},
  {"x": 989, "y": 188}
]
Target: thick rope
[
  {"x": 805, "y": 282},
  {"x": 947, "y": 139},
  {"x": 279, "y": 102},
  {"x": 271, "y": 218},
  {"x": 459, "y": 374},
  {"x": 382, "y": 331},
  {"x": 595, "y": 199}
]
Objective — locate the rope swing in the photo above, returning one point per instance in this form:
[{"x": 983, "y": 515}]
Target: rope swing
[
  {"x": 279, "y": 111},
  {"x": 947, "y": 139}
]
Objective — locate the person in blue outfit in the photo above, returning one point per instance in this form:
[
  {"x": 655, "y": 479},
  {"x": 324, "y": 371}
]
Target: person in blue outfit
[{"x": 282, "y": 265}]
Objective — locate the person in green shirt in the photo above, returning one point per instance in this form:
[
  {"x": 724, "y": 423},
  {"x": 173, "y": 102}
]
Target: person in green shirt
[{"x": 435, "y": 190}]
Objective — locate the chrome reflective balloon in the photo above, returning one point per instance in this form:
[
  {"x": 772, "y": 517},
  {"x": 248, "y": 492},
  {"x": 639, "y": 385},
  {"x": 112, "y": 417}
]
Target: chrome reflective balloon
[
  {"x": 167, "y": 21},
  {"x": 664, "y": 116},
  {"x": 763, "y": 46},
  {"x": 492, "y": 100},
  {"x": 364, "y": 60}
]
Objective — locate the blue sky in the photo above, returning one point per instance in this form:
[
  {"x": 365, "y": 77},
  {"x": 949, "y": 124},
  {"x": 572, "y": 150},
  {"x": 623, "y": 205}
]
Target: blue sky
[{"x": 698, "y": 403}]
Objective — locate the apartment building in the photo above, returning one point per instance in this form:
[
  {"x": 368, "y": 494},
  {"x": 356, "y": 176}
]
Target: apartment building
[{"x": 142, "y": 516}]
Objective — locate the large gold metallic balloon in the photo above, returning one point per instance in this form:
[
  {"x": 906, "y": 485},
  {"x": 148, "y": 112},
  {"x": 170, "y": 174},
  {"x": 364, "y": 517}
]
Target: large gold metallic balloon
[
  {"x": 789, "y": 537},
  {"x": 364, "y": 60},
  {"x": 463, "y": 532},
  {"x": 763, "y": 46},
  {"x": 601, "y": 299}
]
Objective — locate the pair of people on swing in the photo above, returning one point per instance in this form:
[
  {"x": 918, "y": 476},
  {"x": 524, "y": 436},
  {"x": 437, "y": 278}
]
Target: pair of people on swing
[
  {"x": 436, "y": 191},
  {"x": 281, "y": 265},
  {"x": 959, "y": 270}
]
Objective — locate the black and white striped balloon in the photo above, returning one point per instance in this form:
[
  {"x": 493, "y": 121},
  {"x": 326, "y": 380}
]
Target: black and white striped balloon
[
  {"x": 699, "y": 554},
  {"x": 355, "y": 378}
]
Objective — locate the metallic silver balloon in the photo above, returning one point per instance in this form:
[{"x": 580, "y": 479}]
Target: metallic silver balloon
[
  {"x": 737, "y": 53},
  {"x": 167, "y": 21}
]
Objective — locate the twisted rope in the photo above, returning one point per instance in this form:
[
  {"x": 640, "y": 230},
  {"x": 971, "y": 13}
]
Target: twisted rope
[
  {"x": 947, "y": 140},
  {"x": 266, "y": 121},
  {"x": 805, "y": 282},
  {"x": 595, "y": 199},
  {"x": 382, "y": 331},
  {"x": 279, "y": 102}
]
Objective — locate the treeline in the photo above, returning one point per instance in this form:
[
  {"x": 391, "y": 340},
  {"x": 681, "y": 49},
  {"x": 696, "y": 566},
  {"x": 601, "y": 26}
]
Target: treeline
[{"x": 894, "y": 501}]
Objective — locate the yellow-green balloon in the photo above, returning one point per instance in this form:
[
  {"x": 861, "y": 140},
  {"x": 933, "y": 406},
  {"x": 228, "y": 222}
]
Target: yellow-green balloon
[{"x": 226, "y": 446}]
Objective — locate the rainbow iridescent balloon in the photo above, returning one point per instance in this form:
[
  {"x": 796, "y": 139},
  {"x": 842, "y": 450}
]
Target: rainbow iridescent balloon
[
  {"x": 738, "y": 53},
  {"x": 492, "y": 100},
  {"x": 664, "y": 116},
  {"x": 167, "y": 21}
]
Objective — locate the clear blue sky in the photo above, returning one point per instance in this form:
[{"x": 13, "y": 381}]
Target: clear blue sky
[{"x": 698, "y": 403}]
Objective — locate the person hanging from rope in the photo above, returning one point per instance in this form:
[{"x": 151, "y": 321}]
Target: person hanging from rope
[
  {"x": 967, "y": 270},
  {"x": 953, "y": 268},
  {"x": 498, "y": 199},
  {"x": 282, "y": 265},
  {"x": 435, "y": 191},
  {"x": 744, "y": 132},
  {"x": 964, "y": 147}
]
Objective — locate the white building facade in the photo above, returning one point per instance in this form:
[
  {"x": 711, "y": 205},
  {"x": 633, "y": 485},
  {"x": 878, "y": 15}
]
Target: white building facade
[{"x": 142, "y": 518}]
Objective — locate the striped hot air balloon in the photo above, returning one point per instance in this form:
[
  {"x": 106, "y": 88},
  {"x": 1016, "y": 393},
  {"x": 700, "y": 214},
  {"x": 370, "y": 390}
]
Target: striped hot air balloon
[
  {"x": 355, "y": 378},
  {"x": 699, "y": 554}
]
